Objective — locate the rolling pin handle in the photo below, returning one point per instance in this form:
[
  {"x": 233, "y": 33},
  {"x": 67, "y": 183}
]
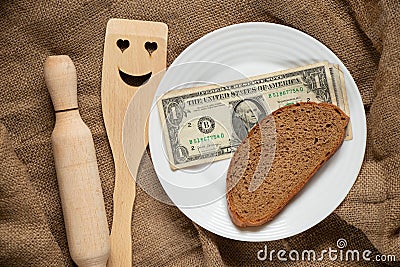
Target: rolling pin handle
[{"x": 61, "y": 81}]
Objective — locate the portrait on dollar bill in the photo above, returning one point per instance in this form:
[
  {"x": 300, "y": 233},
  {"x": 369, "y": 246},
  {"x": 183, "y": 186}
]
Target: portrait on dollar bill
[{"x": 246, "y": 113}]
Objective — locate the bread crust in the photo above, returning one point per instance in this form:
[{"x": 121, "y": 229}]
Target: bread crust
[{"x": 241, "y": 222}]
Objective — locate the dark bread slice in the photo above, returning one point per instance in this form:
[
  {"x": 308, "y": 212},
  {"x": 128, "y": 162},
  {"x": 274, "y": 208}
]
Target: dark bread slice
[{"x": 306, "y": 135}]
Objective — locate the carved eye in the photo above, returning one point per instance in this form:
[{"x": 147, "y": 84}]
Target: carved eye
[
  {"x": 150, "y": 47},
  {"x": 122, "y": 44}
]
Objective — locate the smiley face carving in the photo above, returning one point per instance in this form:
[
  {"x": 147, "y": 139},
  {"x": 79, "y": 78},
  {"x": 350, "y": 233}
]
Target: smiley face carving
[
  {"x": 130, "y": 79},
  {"x": 135, "y": 53}
]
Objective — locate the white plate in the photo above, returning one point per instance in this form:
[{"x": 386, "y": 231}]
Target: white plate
[{"x": 232, "y": 53}]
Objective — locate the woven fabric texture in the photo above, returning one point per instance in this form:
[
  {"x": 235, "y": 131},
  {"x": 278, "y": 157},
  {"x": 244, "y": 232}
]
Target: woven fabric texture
[{"x": 364, "y": 34}]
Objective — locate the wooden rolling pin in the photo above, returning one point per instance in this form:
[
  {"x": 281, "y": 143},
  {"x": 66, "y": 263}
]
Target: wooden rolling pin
[{"x": 76, "y": 167}]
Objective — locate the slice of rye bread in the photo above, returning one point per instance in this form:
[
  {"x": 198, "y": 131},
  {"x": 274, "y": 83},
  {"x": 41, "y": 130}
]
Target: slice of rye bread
[{"x": 306, "y": 135}]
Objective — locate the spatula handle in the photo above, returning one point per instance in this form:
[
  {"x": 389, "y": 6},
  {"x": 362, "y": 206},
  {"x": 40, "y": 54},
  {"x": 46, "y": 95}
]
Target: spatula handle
[{"x": 76, "y": 166}]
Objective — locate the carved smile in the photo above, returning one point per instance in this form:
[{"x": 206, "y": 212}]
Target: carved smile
[{"x": 133, "y": 80}]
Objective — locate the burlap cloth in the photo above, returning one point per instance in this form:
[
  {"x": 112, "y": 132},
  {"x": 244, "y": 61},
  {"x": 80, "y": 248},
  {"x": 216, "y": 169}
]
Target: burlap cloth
[{"x": 365, "y": 35}]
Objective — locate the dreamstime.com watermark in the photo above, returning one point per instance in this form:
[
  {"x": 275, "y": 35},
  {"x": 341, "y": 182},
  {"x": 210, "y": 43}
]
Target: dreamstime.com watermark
[{"x": 338, "y": 253}]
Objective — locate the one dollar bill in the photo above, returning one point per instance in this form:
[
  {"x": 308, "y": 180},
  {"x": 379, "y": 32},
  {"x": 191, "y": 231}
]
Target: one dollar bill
[{"x": 206, "y": 124}]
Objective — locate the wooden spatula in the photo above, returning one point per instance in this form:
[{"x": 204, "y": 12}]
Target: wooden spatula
[{"x": 134, "y": 51}]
